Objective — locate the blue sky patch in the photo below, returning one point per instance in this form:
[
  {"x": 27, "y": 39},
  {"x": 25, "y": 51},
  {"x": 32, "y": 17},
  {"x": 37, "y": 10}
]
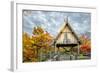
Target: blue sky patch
[{"x": 51, "y": 21}]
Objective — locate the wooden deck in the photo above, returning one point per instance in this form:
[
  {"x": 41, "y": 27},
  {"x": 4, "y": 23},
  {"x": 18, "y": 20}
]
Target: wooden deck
[{"x": 66, "y": 45}]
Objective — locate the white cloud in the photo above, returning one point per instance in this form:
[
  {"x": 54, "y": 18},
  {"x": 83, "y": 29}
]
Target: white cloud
[
  {"x": 27, "y": 12},
  {"x": 52, "y": 21}
]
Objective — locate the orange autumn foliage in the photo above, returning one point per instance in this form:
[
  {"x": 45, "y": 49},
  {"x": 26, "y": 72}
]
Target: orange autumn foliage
[
  {"x": 32, "y": 45},
  {"x": 85, "y": 47}
]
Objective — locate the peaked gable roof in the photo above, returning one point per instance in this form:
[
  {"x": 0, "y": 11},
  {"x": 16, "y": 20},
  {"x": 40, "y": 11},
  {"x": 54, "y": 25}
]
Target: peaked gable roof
[{"x": 70, "y": 28}]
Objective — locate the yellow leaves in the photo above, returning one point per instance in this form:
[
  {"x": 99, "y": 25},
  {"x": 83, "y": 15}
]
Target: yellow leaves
[
  {"x": 33, "y": 45},
  {"x": 26, "y": 40},
  {"x": 32, "y": 41},
  {"x": 38, "y": 30},
  {"x": 85, "y": 41}
]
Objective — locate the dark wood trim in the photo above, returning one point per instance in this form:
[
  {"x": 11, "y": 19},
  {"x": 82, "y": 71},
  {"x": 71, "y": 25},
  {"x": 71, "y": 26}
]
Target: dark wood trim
[{"x": 67, "y": 45}]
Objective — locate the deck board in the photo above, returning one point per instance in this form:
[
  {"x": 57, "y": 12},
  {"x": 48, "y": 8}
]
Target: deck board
[{"x": 66, "y": 45}]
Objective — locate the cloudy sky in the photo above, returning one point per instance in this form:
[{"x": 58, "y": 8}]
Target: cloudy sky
[{"x": 52, "y": 21}]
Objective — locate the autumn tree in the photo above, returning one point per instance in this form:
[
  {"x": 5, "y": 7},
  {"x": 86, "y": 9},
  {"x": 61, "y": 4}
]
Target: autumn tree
[
  {"x": 27, "y": 48},
  {"x": 85, "y": 47},
  {"x": 42, "y": 41},
  {"x": 35, "y": 45}
]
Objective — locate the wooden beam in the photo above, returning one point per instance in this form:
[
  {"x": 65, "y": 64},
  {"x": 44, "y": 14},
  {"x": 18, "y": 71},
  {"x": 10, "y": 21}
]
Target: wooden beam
[{"x": 66, "y": 45}]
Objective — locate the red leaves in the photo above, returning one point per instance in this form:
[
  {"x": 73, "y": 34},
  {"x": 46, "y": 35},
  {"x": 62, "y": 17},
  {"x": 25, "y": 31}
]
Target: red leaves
[{"x": 85, "y": 47}]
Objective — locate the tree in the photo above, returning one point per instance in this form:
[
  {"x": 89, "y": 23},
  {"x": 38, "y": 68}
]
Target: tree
[
  {"x": 36, "y": 45},
  {"x": 27, "y": 49},
  {"x": 42, "y": 40},
  {"x": 85, "y": 47},
  {"x": 37, "y": 30}
]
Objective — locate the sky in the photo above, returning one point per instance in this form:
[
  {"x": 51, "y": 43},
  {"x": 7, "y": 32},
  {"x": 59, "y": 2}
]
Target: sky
[{"x": 51, "y": 21}]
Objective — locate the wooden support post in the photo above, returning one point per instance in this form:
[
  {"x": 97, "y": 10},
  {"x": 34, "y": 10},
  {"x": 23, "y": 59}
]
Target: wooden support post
[
  {"x": 78, "y": 50},
  {"x": 50, "y": 54},
  {"x": 71, "y": 53},
  {"x": 59, "y": 53},
  {"x": 40, "y": 54},
  {"x": 70, "y": 57},
  {"x": 55, "y": 48}
]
